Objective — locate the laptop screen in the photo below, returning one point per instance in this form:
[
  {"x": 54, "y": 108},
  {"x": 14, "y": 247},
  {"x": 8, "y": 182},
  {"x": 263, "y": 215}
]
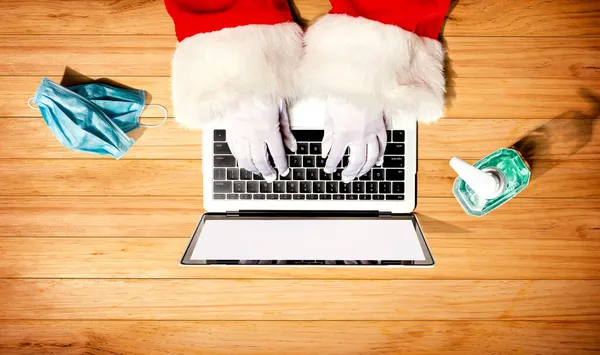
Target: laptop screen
[{"x": 263, "y": 240}]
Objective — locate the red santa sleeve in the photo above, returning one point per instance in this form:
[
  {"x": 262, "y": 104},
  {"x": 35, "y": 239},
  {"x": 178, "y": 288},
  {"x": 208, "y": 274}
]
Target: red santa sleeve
[
  {"x": 229, "y": 50},
  {"x": 383, "y": 53}
]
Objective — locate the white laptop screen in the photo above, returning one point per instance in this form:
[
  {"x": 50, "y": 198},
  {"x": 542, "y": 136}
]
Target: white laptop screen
[{"x": 285, "y": 241}]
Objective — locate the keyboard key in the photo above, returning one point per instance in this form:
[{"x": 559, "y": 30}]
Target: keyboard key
[
  {"x": 324, "y": 176},
  {"x": 324, "y": 197},
  {"x": 398, "y": 136},
  {"x": 292, "y": 187},
  {"x": 266, "y": 187},
  {"x": 252, "y": 186},
  {"x": 295, "y": 161},
  {"x": 299, "y": 197},
  {"x": 222, "y": 186},
  {"x": 233, "y": 196},
  {"x": 394, "y": 149},
  {"x": 258, "y": 196},
  {"x": 394, "y": 197},
  {"x": 378, "y": 197},
  {"x": 306, "y": 135},
  {"x": 331, "y": 187},
  {"x": 305, "y": 187},
  {"x": 338, "y": 197},
  {"x": 358, "y": 187},
  {"x": 302, "y": 149},
  {"x": 288, "y": 176},
  {"x": 378, "y": 175},
  {"x": 272, "y": 197},
  {"x": 221, "y": 148},
  {"x": 233, "y": 174},
  {"x": 239, "y": 186},
  {"x": 337, "y": 175},
  {"x": 393, "y": 162},
  {"x": 345, "y": 161},
  {"x": 245, "y": 174},
  {"x": 219, "y": 196},
  {"x": 398, "y": 187},
  {"x": 308, "y": 161},
  {"x": 371, "y": 187},
  {"x": 351, "y": 197},
  {"x": 285, "y": 197},
  {"x": 298, "y": 174},
  {"x": 219, "y": 135},
  {"x": 394, "y": 174},
  {"x": 321, "y": 162},
  {"x": 367, "y": 177},
  {"x": 319, "y": 187},
  {"x": 245, "y": 197},
  {"x": 312, "y": 174},
  {"x": 389, "y": 135},
  {"x": 279, "y": 187},
  {"x": 313, "y": 197},
  {"x": 364, "y": 197},
  {"x": 385, "y": 187},
  {"x": 224, "y": 161},
  {"x": 315, "y": 148},
  {"x": 345, "y": 188},
  {"x": 219, "y": 174}
]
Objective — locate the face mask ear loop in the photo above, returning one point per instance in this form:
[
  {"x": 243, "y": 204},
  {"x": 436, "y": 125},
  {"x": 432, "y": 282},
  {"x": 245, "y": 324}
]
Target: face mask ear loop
[
  {"x": 158, "y": 124},
  {"x": 30, "y": 105}
]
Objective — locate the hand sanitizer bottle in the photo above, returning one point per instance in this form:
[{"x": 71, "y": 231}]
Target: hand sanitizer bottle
[{"x": 491, "y": 182}]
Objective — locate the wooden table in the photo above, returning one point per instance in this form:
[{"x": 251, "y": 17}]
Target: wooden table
[{"x": 89, "y": 247}]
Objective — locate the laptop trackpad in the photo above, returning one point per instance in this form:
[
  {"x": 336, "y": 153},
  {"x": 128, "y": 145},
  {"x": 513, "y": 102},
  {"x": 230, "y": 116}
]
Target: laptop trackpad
[{"x": 275, "y": 240}]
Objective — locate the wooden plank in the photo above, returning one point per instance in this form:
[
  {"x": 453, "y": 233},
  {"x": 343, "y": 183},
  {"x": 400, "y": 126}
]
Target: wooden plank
[
  {"x": 473, "y": 57},
  {"x": 299, "y": 299},
  {"x": 139, "y": 216},
  {"x": 523, "y": 98},
  {"x": 556, "y": 139},
  {"x": 565, "y": 179},
  {"x": 299, "y": 338},
  {"x": 468, "y": 18},
  {"x": 456, "y": 259}
]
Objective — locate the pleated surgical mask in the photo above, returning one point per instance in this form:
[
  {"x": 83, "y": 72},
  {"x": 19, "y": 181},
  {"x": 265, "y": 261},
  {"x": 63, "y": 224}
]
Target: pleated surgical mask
[{"x": 92, "y": 118}]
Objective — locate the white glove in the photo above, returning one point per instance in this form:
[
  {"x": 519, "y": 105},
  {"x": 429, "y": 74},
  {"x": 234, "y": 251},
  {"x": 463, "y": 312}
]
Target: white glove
[
  {"x": 255, "y": 126},
  {"x": 360, "y": 128}
]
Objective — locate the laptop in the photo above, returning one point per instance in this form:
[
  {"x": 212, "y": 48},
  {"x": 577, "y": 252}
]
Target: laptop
[{"x": 310, "y": 217}]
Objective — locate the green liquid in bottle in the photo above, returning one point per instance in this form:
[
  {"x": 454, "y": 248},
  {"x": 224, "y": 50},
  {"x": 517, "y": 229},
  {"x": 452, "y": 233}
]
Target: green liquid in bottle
[{"x": 506, "y": 164}]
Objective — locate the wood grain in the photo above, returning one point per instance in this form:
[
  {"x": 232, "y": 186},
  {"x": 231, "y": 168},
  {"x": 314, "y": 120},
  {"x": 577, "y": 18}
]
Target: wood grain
[
  {"x": 299, "y": 338},
  {"x": 495, "y": 98},
  {"x": 456, "y": 259},
  {"x": 470, "y": 18},
  {"x": 299, "y": 299},
  {"x": 471, "y": 57},
  {"x": 556, "y": 139},
  {"x": 176, "y": 216},
  {"x": 564, "y": 179}
]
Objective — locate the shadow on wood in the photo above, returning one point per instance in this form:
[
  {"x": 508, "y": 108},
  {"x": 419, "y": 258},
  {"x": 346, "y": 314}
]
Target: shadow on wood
[
  {"x": 449, "y": 73},
  {"x": 570, "y": 132}
]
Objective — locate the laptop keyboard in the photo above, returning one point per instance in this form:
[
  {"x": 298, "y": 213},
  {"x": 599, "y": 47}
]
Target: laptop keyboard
[{"x": 307, "y": 179}]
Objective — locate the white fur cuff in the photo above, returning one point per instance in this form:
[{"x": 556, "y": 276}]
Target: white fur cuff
[
  {"x": 214, "y": 71},
  {"x": 371, "y": 63}
]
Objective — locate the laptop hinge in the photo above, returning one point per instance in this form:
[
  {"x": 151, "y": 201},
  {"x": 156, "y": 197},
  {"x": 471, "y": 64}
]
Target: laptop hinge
[
  {"x": 232, "y": 213},
  {"x": 385, "y": 214},
  {"x": 297, "y": 213}
]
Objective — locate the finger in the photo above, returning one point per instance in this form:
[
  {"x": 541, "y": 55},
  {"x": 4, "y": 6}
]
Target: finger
[
  {"x": 279, "y": 158},
  {"x": 241, "y": 152},
  {"x": 382, "y": 142},
  {"x": 372, "y": 155},
  {"x": 336, "y": 153},
  {"x": 357, "y": 159},
  {"x": 327, "y": 137},
  {"x": 260, "y": 158},
  {"x": 284, "y": 126}
]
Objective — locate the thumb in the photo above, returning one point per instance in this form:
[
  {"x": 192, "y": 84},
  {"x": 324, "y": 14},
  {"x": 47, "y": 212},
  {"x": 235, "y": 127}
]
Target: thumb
[{"x": 284, "y": 126}]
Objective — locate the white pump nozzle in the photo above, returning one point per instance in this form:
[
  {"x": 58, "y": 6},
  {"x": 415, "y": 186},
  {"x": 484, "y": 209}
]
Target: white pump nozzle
[{"x": 486, "y": 185}]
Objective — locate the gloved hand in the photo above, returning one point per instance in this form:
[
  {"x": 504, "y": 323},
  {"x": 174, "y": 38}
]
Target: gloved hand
[
  {"x": 360, "y": 128},
  {"x": 255, "y": 126}
]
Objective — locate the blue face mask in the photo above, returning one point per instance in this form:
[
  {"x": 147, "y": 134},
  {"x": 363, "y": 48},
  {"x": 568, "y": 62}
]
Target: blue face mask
[{"x": 92, "y": 118}]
